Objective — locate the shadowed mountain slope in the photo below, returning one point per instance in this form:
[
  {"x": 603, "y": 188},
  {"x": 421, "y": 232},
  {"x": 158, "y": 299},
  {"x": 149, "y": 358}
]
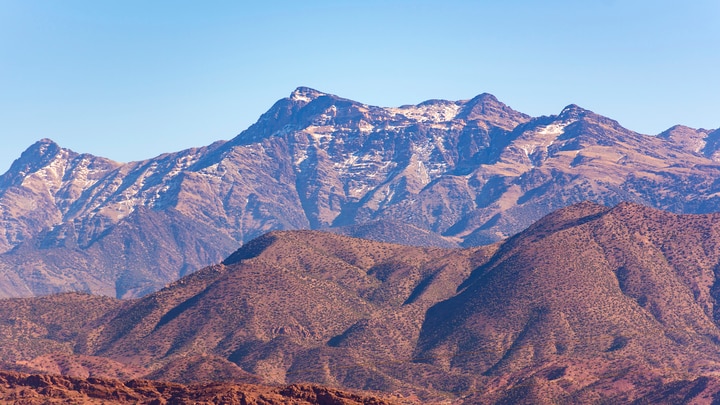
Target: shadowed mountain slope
[
  {"x": 297, "y": 306},
  {"x": 628, "y": 293}
]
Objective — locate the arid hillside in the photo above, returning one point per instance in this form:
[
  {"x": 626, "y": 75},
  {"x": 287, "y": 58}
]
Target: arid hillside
[
  {"x": 590, "y": 304},
  {"x": 592, "y": 300}
]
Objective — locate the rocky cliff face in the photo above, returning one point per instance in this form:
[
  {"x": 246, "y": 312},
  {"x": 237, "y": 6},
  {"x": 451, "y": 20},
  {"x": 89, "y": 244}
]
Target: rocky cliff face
[{"x": 444, "y": 172}]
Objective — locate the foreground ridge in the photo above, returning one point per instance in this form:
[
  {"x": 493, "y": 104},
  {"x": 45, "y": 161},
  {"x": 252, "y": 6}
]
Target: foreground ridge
[
  {"x": 589, "y": 304},
  {"x": 38, "y": 389}
]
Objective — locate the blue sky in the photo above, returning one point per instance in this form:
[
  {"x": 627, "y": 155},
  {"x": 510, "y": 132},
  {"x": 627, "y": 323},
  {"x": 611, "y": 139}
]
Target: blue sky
[{"x": 132, "y": 79}]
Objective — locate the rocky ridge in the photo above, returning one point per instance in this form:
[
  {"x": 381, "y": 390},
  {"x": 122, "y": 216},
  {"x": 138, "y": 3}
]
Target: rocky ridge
[{"x": 45, "y": 389}]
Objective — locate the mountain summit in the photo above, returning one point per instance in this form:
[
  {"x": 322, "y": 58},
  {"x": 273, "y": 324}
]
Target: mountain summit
[
  {"x": 450, "y": 173},
  {"x": 34, "y": 158},
  {"x": 305, "y": 94}
]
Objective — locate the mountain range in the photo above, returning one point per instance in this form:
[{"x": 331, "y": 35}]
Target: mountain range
[
  {"x": 440, "y": 173},
  {"x": 590, "y": 304}
]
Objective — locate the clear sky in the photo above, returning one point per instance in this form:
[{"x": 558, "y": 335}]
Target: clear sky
[{"x": 131, "y": 79}]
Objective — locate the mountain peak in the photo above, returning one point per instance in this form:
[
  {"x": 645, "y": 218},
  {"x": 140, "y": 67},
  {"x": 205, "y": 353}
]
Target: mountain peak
[
  {"x": 37, "y": 154},
  {"x": 678, "y": 127},
  {"x": 682, "y": 134},
  {"x": 487, "y": 107},
  {"x": 32, "y": 159},
  {"x": 44, "y": 146},
  {"x": 486, "y": 98},
  {"x": 305, "y": 94},
  {"x": 46, "y": 141},
  {"x": 573, "y": 111}
]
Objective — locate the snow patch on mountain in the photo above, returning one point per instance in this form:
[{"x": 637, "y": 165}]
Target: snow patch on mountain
[
  {"x": 82, "y": 173},
  {"x": 365, "y": 127},
  {"x": 428, "y": 112},
  {"x": 305, "y": 94},
  {"x": 53, "y": 173},
  {"x": 300, "y": 156},
  {"x": 300, "y": 97},
  {"x": 555, "y": 129}
]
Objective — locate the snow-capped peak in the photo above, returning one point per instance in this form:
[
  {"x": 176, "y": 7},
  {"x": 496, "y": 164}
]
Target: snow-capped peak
[{"x": 305, "y": 94}]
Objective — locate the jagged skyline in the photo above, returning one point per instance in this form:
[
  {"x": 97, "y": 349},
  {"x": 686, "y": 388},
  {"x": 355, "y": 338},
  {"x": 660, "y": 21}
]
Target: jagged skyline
[{"x": 131, "y": 80}]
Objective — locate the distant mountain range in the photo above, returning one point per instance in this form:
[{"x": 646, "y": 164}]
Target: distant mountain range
[
  {"x": 440, "y": 173},
  {"x": 590, "y": 304}
]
